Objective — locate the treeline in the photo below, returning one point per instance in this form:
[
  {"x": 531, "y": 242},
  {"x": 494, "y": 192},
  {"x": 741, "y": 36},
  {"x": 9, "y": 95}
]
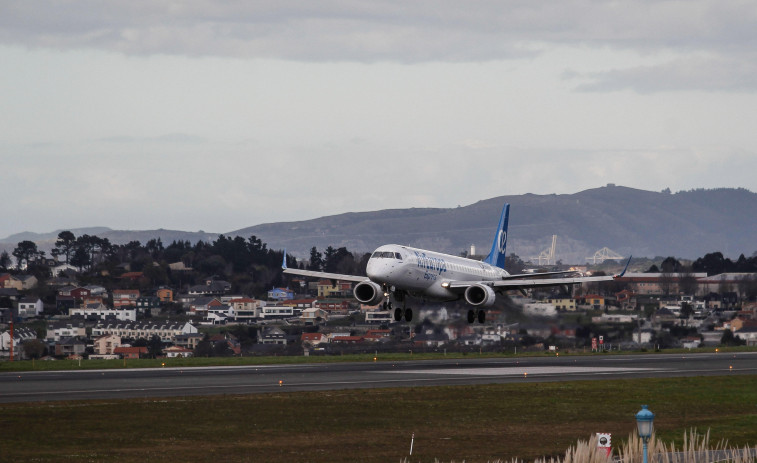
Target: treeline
[
  {"x": 713, "y": 263},
  {"x": 248, "y": 264}
]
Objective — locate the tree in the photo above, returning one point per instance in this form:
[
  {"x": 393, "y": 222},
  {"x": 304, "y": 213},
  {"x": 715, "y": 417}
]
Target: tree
[
  {"x": 316, "y": 260},
  {"x": 729, "y": 339},
  {"x": 25, "y": 252},
  {"x": 34, "y": 348},
  {"x": 5, "y": 260},
  {"x": 80, "y": 259},
  {"x": 64, "y": 245}
]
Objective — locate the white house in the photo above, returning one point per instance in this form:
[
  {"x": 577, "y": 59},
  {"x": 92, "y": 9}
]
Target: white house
[
  {"x": 19, "y": 336},
  {"x": 30, "y": 307},
  {"x": 102, "y": 312}
]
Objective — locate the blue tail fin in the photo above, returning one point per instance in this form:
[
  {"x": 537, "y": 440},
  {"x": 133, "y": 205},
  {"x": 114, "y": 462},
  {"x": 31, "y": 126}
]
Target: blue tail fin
[{"x": 497, "y": 255}]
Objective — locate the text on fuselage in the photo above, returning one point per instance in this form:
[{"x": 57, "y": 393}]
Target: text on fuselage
[{"x": 433, "y": 264}]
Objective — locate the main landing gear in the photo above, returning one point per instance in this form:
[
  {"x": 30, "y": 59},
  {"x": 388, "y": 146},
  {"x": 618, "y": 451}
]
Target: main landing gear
[
  {"x": 476, "y": 315},
  {"x": 403, "y": 313}
]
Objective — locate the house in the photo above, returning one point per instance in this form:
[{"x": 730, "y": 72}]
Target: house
[
  {"x": 125, "y": 297},
  {"x": 106, "y": 344},
  {"x": 21, "y": 282},
  {"x": 595, "y": 301},
  {"x": 79, "y": 293},
  {"x": 210, "y": 288},
  {"x": 201, "y": 305},
  {"x": 313, "y": 339},
  {"x": 30, "y": 307},
  {"x": 278, "y": 311},
  {"x": 97, "y": 290},
  {"x": 563, "y": 303},
  {"x": 164, "y": 294},
  {"x": 20, "y": 335},
  {"x": 188, "y": 340},
  {"x": 346, "y": 339},
  {"x": 69, "y": 346},
  {"x": 177, "y": 351},
  {"x": 272, "y": 335},
  {"x": 65, "y": 329},
  {"x": 313, "y": 316},
  {"x": 246, "y": 309},
  {"x": 166, "y": 330},
  {"x": 130, "y": 352},
  {"x": 99, "y": 311},
  {"x": 280, "y": 294},
  {"x": 147, "y": 303},
  {"x": 334, "y": 306},
  {"x": 339, "y": 289},
  {"x": 378, "y": 317}
]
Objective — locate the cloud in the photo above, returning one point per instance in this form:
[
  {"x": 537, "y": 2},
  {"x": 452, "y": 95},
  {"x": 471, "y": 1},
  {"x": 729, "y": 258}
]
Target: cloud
[
  {"x": 724, "y": 74},
  {"x": 386, "y": 30}
]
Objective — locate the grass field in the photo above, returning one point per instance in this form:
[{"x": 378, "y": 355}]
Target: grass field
[
  {"x": 470, "y": 423},
  {"x": 30, "y": 365}
]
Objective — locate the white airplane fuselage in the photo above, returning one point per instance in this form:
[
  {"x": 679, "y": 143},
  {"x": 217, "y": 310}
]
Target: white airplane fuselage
[{"x": 423, "y": 273}]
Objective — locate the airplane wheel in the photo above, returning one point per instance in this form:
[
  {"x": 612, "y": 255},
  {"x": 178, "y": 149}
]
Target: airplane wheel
[
  {"x": 386, "y": 305},
  {"x": 481, "y": 316},
  {"x": 408, "y": 315},
  {"x": 471, "y": 316},
  {"x": 397, "y": 314}
]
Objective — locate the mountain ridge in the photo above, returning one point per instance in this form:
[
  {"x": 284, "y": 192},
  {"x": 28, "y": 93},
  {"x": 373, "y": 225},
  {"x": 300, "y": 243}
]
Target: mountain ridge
[{"x": 686, "y": 224}]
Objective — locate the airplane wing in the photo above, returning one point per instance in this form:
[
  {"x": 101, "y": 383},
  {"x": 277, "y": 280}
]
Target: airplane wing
[
  {"x": 329, "y": 276},
  {"x": 525, "y": 281},
  {"x": 317, "y": 274}
]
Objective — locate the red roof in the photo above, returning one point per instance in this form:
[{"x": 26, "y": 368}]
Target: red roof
[
  {"x": 311, "y": 336},
  {"x": 130, "y": 350}
]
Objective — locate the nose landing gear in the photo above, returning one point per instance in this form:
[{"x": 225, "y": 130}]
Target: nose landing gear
[{"x": 476, "y": 315}]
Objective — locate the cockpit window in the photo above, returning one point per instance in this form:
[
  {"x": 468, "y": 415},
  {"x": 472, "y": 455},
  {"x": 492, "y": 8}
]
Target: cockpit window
[{"x": 386, "y": 255}]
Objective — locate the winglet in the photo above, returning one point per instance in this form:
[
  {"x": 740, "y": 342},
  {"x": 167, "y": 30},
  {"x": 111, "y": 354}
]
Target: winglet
[
  {"x": 626, "y": 268},
  {"x": 284, "y": 263}
]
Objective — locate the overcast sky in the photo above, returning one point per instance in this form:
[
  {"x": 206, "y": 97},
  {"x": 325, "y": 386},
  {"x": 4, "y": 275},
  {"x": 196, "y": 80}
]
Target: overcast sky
[{"x": 221, "y": 115}]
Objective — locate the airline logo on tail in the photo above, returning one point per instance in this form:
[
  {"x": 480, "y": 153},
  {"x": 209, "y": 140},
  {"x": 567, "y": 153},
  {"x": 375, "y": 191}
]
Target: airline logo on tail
[{"x": 496, "y": 256}]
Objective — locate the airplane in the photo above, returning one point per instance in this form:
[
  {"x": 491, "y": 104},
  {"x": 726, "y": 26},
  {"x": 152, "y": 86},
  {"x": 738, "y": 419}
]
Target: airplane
[{"x": 395, "y": 272}]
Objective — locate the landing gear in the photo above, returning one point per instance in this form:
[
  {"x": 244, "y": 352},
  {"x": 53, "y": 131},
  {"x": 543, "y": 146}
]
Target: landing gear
[
  {"x": 408, "y": 315},
  {"x": 397, "y": 314},
  {"x": 474, "y": 315}
]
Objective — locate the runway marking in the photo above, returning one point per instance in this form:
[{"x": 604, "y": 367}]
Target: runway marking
[{"x": 516, "y": 371}]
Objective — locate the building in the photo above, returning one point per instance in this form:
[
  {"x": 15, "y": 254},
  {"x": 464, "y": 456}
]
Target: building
[
  {"x": 177, "y": 351},
  {"x": 164, "y": 294},
  {"x": 246, "y": 309},
  {"x": 334, "y": 306},
  {"x": 280, "y": 294},
  {"x": 131, "y": 352},
  {"x": 21, "y": 282},
  {"x": 567, "y": 304},
  {"x": 125, "y": 297},
  {"x": 99, "y": 311},
  {"x": 65, "y": 329},
  {"x": 313, "y": 316},
  {"x": 167, "y": 331},
  {"x": 20, "y": 335},
  {"x": 29, "y": 307},
  {"x": 69, "y": 346},
  {"x": 106, "y": 344}
]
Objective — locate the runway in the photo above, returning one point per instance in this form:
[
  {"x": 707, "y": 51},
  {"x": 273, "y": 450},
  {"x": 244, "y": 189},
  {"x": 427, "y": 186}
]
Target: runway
[{"x": 177, "y": 382}]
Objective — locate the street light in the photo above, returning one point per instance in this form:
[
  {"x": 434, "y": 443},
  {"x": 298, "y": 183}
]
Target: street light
[{"x": 644, "y": 420}]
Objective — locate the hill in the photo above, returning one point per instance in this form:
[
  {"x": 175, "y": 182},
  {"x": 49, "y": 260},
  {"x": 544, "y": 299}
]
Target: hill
[{"x": 629, "y": 221}]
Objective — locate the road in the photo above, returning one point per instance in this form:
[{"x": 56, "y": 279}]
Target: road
[{"x": 177, "y": 382}]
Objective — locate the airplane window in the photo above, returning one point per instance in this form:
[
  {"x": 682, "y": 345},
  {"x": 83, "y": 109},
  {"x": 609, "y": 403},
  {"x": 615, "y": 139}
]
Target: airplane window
[{"x": 398, "y": 256}]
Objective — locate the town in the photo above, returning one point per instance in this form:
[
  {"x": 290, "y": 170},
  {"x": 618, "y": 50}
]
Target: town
[{"x": 94, "y": 300}]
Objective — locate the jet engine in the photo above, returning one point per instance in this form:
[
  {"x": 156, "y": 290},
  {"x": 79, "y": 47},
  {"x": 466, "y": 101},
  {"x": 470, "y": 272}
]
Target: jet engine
[
  {"x": 368, "y": 293},
  {"x": 479, "y": 295}
]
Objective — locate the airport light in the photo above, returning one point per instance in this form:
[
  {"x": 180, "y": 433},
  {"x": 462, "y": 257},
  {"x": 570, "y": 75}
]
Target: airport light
[{"x": 644, "y": 424}]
